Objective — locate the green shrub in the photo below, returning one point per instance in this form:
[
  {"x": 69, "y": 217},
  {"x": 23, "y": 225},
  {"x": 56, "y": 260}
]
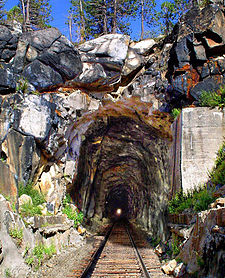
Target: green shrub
[
  {"x": 202, "y": 199},
  {"x": 8, "y": 273},
  {"x": 29, "y": 209},
  {"x": 213, "y": 99},
  {"x": 76, "y": 216},
  {"x": 36, "y": 196},
  {"x": 217, "y": 175},
  {"x": 155, "y": 241},
  {"x": 17, "y": 234},
  {"x": 175, "y": 112},
  {"x": 39, "y": 253},
  {"x": 72, "y": 214},
  {"x": 197, "y": 200},
  {"x": 175, "y": 245},
  {"x": 29, "y": 260},
  {"x": 220, "y": 155}
]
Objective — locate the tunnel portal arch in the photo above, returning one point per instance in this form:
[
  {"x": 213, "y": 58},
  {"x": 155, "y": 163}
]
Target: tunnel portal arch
[{"x": 124, "y": 163}]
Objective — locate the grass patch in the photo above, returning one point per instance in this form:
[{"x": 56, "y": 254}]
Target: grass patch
[
  {"x": 8, "y": 273},
  {"x": 200, "y": 198},
  {"x": 213, "y": 99},
  {"x": 72, "y": 214},
  {"x": 200, "y": 261},
  {"x": 175, "y": 245},
  {"x": 29, "y": 209},
  {"x": 17, "y": 234},
  {"x": 36, "y": 196},
  {"x": 154, "y": 241},
  {"x": 39, "y": 254},
  {"x": 22, "y": 85}
]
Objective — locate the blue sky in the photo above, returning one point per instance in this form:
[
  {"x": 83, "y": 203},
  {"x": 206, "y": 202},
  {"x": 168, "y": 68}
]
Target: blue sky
[{"x": 59, "y": 14}]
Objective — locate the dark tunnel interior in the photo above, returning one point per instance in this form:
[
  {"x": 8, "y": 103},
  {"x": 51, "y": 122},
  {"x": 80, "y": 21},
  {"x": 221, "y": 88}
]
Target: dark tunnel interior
[{"x": 119, "y": 203}]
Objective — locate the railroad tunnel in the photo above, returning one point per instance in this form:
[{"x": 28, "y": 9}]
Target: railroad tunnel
[{"x": 123, "y": 166}]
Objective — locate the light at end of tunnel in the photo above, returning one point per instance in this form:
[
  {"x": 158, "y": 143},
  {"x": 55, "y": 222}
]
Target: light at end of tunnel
[{"x": 118, "y": 212}]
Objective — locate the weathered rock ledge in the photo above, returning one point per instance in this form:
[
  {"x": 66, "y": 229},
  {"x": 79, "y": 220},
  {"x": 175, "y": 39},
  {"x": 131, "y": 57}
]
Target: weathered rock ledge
[{"x": 48, "y": 230}]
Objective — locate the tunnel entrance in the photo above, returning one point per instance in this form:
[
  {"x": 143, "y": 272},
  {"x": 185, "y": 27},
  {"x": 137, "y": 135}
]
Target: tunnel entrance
[{"x": 124, "y": 164}]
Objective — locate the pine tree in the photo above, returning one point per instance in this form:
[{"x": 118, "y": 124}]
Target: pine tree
[
  {"x": 2, "y": 11},
  {"x": 15, "y": 14},
  {"x": 36, "y": 13},
  {"x": 101, "y": 17},
  {"x": 120, "y": 12},
  {"x": 147, "y": 14},
  {"x": 97, "y": 18},
  {"x": 170, "y": 13},
  {"x": 77, "y": 17}
]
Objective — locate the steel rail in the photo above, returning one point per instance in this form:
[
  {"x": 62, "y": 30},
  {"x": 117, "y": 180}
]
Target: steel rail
[
  {"x": 144, "y": 269},
  {"x": 96, "y": 257},
  {"x": 90, "y": 267}
]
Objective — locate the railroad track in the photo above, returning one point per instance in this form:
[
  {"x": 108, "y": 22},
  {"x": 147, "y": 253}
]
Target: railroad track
[{"x": 120, "y": 256}]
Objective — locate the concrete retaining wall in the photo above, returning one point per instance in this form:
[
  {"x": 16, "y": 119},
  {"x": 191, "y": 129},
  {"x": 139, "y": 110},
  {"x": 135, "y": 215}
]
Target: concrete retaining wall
[{"x": 202, "y": 133}]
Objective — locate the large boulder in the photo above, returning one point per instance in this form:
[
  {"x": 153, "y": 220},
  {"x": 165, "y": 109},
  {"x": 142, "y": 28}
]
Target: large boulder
[
  {"x": 22, "y": 157},
  {"x": 103, "y": 60}
]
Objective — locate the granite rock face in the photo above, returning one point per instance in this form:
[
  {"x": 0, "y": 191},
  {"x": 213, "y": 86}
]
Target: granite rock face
[{"x": 44, "y": 58}]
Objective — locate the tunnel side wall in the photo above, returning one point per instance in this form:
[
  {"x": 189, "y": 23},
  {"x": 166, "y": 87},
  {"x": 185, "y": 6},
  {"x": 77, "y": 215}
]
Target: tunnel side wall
[{"x": 202, "y": 133}]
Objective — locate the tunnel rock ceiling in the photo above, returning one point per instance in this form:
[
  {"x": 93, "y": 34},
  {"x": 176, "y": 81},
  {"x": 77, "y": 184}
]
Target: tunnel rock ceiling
[{"x": 122, "y": 162}]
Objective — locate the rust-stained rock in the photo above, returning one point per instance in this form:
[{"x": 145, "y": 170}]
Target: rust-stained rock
[
  {"x": 8, "y": 184},
  {"x": 81, "y": 230},
  {"x": 200, "y": 41}
]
